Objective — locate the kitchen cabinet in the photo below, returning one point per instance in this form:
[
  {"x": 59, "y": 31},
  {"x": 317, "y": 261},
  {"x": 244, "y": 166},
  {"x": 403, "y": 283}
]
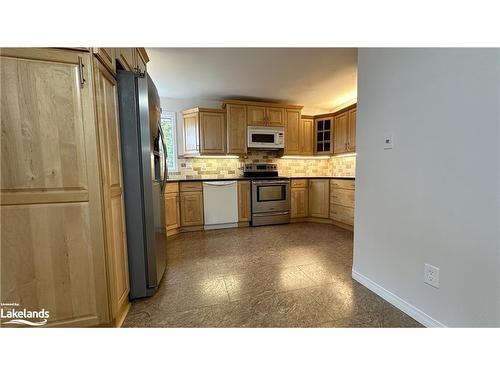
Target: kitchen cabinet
[
  {"x": 265, "y": 116},
  {"x": 319, "y": 196},
  {"x": 352, "y": 130},
  {"x": 244, "y": 208},
  {"x": 52, "y": 209},
  {"x": 172, "y": 208},
  {"x": 299, "y": 198},
  {"x": 306, "y": 138},
  {"x": 299, "y": 134},
  {"x": 236, "y": 127},
  {"x": 212, "y": 133},
  {"x": 345, "y": 132},
  {"x": 132, "y": 59},
  {"x": 127, "y": 57},
  {"x": 204, "y": 132},
  {"x": 111, "y": 169},
  {"x": 276, "y": 116},
  {"x": 107, "y": 56},
  {"x": 292, "y": 132},
  {"x": 191, "y": 204},
  {"x": 342, "y": 201},
  {"x": 323, "y": 135}
]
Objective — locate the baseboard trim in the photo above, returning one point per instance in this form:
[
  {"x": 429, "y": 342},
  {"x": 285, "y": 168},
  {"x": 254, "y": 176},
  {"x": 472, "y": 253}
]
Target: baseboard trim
[{"x": 398, "y": 302}]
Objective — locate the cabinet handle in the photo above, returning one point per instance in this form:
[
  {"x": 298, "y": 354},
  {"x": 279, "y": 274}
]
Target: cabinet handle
[{"x": 81, "y": 66}]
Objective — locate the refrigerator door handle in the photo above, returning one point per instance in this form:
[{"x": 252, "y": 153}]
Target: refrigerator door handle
[{"x": 164, "y": 147}]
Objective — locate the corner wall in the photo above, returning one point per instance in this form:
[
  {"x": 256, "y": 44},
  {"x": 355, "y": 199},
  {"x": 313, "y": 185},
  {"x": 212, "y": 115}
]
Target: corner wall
[{"x": 433, "y": 198}]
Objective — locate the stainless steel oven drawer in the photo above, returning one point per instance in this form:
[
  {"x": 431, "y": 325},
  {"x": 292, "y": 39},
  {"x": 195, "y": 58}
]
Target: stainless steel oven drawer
[{"x": 270, "y": 218}]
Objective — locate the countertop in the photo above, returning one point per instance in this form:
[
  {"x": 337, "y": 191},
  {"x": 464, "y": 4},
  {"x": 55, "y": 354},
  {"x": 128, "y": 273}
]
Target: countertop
[{"x": 256, "y": 178}]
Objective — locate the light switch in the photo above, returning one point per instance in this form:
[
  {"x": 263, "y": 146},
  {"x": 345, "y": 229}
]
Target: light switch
[{"x": 388, "y": 142}]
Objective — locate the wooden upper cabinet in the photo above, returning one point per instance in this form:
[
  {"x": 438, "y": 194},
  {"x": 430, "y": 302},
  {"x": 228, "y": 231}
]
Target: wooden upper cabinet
[
  {"x": 204, "y": 131},
  {"x": 244, "y": 201},
  {"x": 341, "y": 133},
  {"x": 319, "y": 197},
  {"x": 107, "y": 56},
  {"x": 236, "y": 127},
  {"x": 142, "y": 59},
  {"x": 212, "y": 133},
  {"x": 191, "y": 133},
  {"x": 52, "y": 230},
  {"x": 323, "y": 138},
  {"x": 352, "y": 130},
  {"x": 276, "y": 116},
  {"x": 256, "y": 115},
  {"x": 307, "y": 137},
  {"x": 292, "y": 132},
  {"x": 127, "y": 58}
]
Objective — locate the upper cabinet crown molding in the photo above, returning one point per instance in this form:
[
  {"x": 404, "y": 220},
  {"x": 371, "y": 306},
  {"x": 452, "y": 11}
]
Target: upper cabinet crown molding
[{"x": 262, "y": 104}]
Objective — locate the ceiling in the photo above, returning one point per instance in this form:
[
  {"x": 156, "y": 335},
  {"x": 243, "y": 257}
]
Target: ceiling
[{"x": 321, "y": 79}]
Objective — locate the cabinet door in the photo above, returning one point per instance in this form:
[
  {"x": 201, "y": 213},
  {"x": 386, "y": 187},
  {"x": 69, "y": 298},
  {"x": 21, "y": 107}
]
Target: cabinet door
[
  {"x": 341, "y": 133},
  {"x": 236, "y": 122},
  {"x": 107, "y": 57},
  {"x": 127, "y": 58},
  {"x": 111, "y": 169},
  {"x": 191, "y": 208},
  {"x": 352, "y": 130},
  {"x": 275, "y": 116},
  {"x": 319, "y": 193},
  {"x": 51, "y": 237},
  {"x": 191, "y": 134},
  {"x": 307, "y": 137},
  {"x": 256, "y": 115},
  {"x": 172, "y": 211},
  {"x": 292, "y": 132},
  {"x": 243, "y": 201},
  {"x": 141, "y": 64},
  {"x": 213, "y": 133},
  {"x": 299, "y": 202},
  {"x": 323, "y": 138}
]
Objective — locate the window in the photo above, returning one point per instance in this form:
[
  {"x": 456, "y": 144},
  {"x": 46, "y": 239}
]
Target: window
[{"x": 168, "y": 125}]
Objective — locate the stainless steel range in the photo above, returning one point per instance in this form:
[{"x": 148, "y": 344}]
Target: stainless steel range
[{"x": 270, "y": 194}]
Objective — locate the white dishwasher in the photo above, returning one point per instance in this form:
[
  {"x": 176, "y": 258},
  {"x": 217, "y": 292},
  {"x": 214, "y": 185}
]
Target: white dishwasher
[{"x": 220, "y": 203}]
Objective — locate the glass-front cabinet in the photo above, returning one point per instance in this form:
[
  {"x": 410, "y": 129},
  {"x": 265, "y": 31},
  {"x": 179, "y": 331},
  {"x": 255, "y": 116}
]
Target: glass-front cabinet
[{"x": 323, "y": 135}]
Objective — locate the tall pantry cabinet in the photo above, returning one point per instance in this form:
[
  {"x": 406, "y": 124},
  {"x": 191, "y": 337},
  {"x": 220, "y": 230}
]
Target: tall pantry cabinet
[{"x": 63, "y": 245}]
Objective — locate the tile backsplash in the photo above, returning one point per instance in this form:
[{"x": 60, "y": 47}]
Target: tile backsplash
[{"x": 189, "y": 168}]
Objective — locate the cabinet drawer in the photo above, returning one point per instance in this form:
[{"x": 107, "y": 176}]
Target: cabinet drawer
[
  {"x": 342, "y": 184},
  {"x": 172, "y": 187},
  {"x": 341, "y": 213},
  {"x": 190, "y": 186},
  {"x": 300, "y": 183},
  {"x": 343, "y": 197}
]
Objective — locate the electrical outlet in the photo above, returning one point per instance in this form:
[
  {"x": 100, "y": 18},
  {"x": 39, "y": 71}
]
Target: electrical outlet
[{"x": 431, "y": 275}]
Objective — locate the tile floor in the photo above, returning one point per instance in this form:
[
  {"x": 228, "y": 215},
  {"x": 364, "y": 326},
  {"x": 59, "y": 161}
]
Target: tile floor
[{"x": 295, "y": 275}]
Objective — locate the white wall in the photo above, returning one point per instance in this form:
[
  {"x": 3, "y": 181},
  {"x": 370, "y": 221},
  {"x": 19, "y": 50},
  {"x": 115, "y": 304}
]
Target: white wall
[
  {"x": 179, "y": 105},
  {"x": 433, "y": 198}
]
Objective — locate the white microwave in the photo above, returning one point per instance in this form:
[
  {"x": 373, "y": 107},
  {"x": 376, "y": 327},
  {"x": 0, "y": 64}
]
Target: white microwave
[{"x": 266, "y": 137}]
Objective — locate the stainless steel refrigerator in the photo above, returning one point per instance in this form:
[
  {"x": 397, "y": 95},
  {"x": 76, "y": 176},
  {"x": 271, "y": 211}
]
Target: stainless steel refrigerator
[{"x": 144, "y": 176}]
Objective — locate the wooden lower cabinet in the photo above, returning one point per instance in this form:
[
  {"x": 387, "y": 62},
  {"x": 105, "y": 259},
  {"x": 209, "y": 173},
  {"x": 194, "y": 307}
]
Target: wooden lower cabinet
[
  {"x": 172, "y": 208},
  {"x": 191, "y": 207},
  {"x": 342, "y": 201},
  {"x": 244, "y": 203},
  {"x": 299, "y": 202},
  {"x": 319, "y": 197}
]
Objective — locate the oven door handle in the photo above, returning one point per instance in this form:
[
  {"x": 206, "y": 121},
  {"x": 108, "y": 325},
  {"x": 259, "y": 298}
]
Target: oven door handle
[{"x": 275, "y": 182}]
